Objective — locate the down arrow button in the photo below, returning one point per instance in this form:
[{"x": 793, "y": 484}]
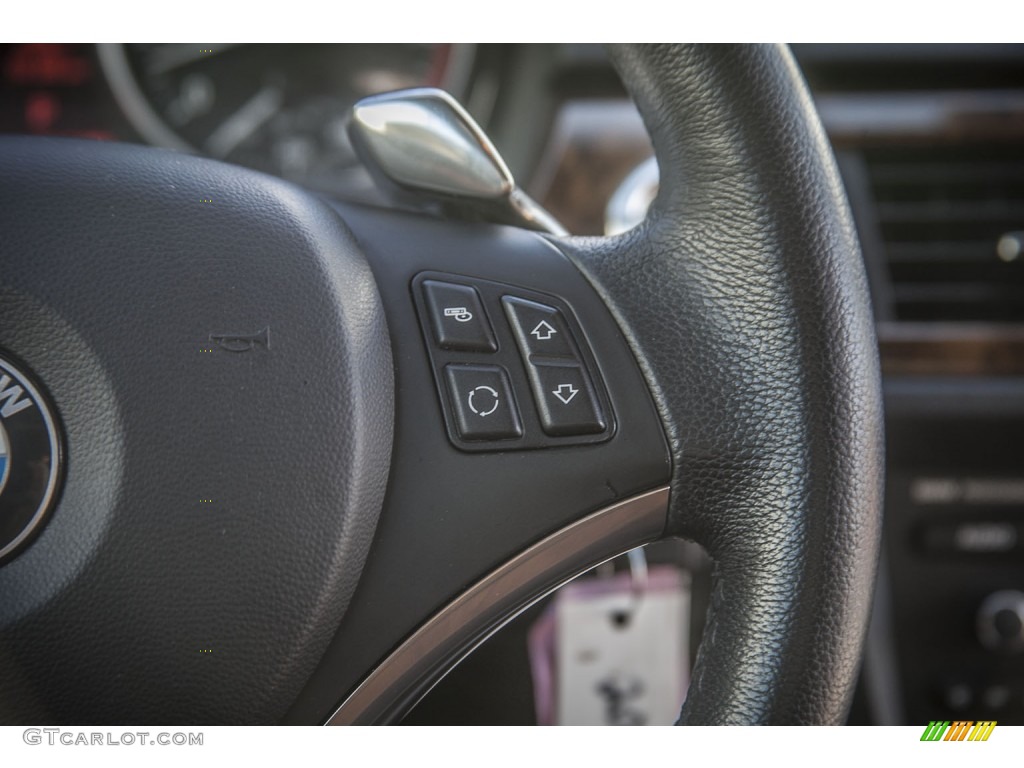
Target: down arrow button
[{"x": 565, "y": 400}]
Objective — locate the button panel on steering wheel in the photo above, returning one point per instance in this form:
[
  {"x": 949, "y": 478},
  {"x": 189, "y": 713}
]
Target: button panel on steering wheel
[{"x": 512, "y": 366}]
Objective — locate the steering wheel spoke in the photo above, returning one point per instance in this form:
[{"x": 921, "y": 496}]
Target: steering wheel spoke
[
  {"x": 473, "y": 509},
  {"x": 316, "y": 452}
]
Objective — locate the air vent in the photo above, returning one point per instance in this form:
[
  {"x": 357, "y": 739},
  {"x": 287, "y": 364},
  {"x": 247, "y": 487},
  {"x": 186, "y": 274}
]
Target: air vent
[{"x": 951, "y": 221}]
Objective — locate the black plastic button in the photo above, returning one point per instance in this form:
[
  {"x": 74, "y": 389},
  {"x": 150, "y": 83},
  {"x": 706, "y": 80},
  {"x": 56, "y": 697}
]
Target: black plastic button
[
  {"x": 458, "y": 317},
  {"x": 539, "y": 329},
  {"x": 565, "y": 400},
  {"x": 482, "y": 400}
]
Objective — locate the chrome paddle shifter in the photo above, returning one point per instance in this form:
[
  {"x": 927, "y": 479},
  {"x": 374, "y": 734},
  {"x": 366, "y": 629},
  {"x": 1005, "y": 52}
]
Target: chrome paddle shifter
[{"x": 420, "y": 145}]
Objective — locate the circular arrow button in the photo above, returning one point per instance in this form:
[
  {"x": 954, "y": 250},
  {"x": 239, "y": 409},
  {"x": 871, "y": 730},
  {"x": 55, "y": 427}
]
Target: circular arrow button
[{"x": 483, "y": 400}]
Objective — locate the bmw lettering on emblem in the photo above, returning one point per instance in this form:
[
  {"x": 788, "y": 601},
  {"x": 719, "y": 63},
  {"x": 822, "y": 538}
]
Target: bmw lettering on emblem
[{"x": 30, "y": 454}]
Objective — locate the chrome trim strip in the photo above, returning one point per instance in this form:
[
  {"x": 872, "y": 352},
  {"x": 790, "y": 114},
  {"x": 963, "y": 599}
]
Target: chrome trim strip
[{"x": 451, "y": 634}]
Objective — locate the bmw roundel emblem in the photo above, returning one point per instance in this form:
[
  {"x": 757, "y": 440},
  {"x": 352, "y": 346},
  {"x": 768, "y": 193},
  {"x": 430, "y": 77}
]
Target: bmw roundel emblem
[{"x": 30, "y": 454}]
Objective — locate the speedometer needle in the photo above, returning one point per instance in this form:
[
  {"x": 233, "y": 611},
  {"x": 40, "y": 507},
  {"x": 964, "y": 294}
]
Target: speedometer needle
[{"x": 244, "y": 122}]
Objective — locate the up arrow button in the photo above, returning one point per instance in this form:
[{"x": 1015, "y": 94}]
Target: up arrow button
[
  {"x": 539, "y": 329},
  {"x": 543, "y": 331}
]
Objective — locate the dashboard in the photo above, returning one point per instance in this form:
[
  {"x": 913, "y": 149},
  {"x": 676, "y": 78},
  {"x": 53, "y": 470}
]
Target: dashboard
[
  {"x": 930, "y": 144},
  {"x": 281, "y": 109}
]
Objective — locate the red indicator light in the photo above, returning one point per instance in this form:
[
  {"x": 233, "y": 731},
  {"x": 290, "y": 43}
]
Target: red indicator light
[
  {"x": 41, "y": 111},
  {"x": 46, "y": 64}
]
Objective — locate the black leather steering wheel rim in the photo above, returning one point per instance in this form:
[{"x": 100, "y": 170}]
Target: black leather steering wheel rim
[
  {"x": 745, "y": 298},
  {"x": 736, "y": 319}
]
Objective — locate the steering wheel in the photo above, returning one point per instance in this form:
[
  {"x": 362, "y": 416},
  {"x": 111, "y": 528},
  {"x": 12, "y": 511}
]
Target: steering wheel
[{"x": 289, "y": 486}]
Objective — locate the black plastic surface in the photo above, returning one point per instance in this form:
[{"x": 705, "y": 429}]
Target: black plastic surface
[
  {"x": 547, "y": 421},
  {"x": 482, "y": 401},
  {"x": 565, "y": 399},
  {"x": 457, "y": 317},
  {"x": 539, "y": 329},
  {"x": 451, "y": 516}
]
